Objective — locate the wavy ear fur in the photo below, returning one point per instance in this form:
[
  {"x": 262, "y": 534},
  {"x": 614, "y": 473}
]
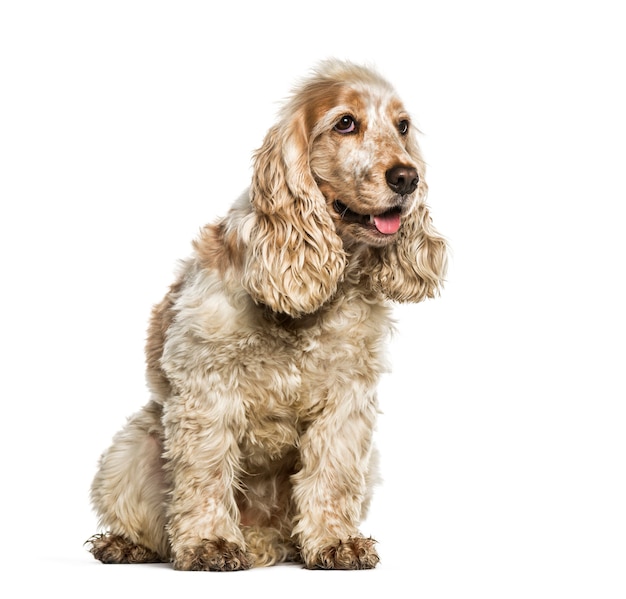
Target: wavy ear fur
[
  {"x": 294, "y": 259},
  {"x": 413, "y": 268}
]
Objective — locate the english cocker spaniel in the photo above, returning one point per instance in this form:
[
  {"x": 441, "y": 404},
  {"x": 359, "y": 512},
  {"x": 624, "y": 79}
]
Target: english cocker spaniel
[{"x": 263, "y": 358}]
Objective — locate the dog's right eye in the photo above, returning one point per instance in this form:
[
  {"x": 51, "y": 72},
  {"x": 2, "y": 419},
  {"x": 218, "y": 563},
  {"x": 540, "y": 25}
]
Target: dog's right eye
[{"x": 346, "y": 124}]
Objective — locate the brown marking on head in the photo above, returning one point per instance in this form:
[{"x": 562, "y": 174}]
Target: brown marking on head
[{"x": 357, "y": 134}]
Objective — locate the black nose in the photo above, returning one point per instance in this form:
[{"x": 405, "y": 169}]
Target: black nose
[{"x": 402, "y": 179}]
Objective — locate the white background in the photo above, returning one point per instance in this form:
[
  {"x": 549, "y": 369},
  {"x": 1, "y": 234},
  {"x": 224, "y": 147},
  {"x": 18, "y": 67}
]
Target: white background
[{"x": 125, "y": 126}]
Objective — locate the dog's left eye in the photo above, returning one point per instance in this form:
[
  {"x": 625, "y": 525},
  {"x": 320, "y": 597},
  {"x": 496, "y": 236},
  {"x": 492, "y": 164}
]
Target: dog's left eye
[
  {"x": 346, "y": 124},
  {"x": 403, "y": 127}
]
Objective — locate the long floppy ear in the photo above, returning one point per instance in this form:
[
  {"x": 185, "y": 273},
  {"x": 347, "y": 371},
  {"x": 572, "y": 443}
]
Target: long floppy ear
[
  {"x": 294, "y": 258},
  {"x": 413, "y": 268}
]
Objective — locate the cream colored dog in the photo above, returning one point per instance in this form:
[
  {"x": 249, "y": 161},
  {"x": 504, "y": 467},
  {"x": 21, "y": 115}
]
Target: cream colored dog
[{"x": 263, "y": 358}]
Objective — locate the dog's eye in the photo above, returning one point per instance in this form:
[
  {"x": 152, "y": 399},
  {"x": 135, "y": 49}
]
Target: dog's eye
[
  {"x": 403, "y": 127},
  {"x": 346, "y": 124}
]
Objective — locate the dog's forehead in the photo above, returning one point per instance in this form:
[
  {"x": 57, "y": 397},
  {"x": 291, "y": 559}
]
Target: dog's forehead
[
  {"x": 373, "y": 99},
  {"x": 386, "y": 108},
  {"x": 380, "y": 108},
  {"x": 374, "y": 103}
]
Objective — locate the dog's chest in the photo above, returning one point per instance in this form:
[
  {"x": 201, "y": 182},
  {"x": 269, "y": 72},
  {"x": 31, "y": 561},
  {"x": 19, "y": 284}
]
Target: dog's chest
[
  {"x": 273, "y": 378},
  {"x": 291, "y": 376}
]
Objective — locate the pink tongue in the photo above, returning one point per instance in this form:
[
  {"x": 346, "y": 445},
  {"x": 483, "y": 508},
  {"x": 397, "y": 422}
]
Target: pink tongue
[{"x": 387, "y": 223}]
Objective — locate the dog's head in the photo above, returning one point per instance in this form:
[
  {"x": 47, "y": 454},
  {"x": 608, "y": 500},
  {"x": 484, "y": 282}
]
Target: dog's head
[
  {"x": 341, "y": 169},
  {"x": 363, "y": 154}
]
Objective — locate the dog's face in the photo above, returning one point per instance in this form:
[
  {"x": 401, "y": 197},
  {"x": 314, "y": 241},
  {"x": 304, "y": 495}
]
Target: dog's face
[
  {"x": 365, "y": 160},
  {"x": 340, "y": 176}
]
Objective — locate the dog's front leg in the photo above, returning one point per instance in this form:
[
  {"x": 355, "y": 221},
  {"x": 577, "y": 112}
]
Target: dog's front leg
[
  {"x": 202, "y": 458},
  {"x": 332, "y": 486}
]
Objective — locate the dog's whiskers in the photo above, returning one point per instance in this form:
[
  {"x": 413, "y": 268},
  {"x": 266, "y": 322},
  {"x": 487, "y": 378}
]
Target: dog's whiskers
[{"x": 341, "y": 208}]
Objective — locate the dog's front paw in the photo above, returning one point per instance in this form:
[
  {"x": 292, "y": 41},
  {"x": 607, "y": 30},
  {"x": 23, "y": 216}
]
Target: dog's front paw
[
  {"x": 218, "y": 555},
  {"x": 356, "y": 553}
]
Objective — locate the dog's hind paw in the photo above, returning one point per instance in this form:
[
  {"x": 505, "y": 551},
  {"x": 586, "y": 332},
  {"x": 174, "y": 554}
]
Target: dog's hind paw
[{"x": 115, "y": 549}]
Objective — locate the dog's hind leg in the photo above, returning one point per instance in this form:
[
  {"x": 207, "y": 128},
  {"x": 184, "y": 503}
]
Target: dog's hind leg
[{"x": 129, "y": 492}]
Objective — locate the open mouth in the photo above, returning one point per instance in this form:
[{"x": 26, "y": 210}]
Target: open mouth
[{"x": 386, "y": 223}]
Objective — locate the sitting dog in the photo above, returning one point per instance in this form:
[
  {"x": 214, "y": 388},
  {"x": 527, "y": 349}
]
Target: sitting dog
[{"x": 263, "y": 358}]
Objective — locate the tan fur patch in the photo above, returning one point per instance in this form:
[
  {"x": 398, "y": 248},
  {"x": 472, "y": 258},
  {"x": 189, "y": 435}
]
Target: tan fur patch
[
  {"x": 162, "y": 316},
  {"x": 217, "y": 249}
]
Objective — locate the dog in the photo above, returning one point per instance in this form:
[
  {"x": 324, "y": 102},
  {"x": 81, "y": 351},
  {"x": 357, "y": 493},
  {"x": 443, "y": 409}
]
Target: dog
[{"x": 263, "y": 358}]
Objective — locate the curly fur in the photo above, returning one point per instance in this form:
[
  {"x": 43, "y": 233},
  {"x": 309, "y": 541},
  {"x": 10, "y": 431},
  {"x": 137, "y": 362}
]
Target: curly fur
[{"x": 264, "y": 356}]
